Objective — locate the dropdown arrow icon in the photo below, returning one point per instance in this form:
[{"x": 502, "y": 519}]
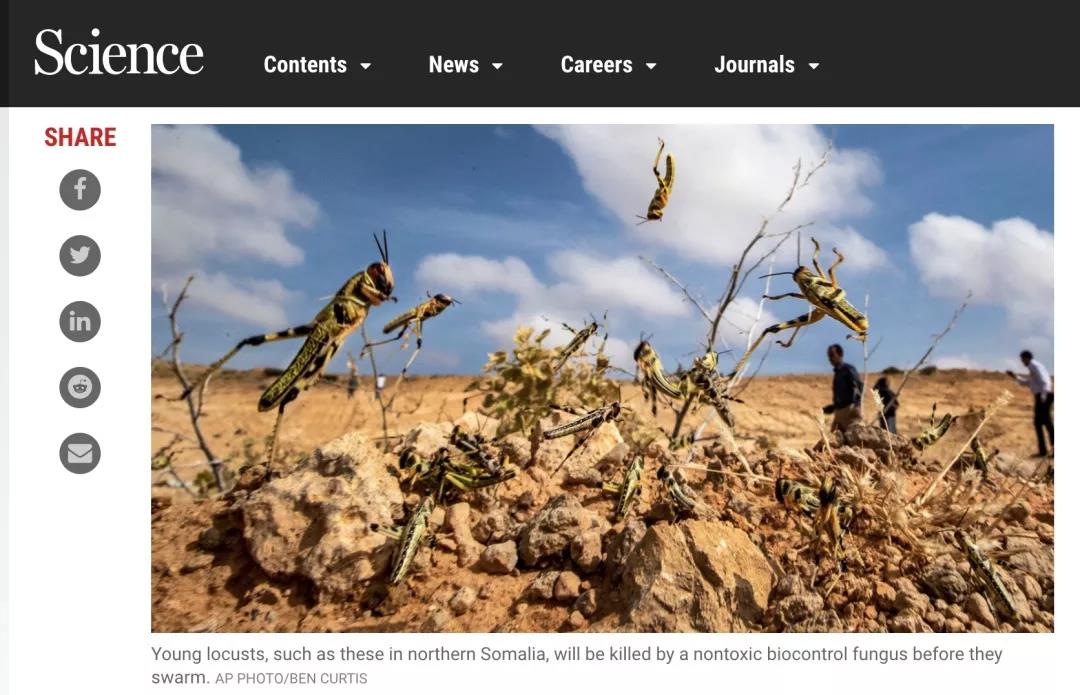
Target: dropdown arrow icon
[
  {"x": 650, "y": 65},
  {"x": 813, "y": 66},
  {"x": 365, "y": 65},
  {"x": 496, "y": 65}
]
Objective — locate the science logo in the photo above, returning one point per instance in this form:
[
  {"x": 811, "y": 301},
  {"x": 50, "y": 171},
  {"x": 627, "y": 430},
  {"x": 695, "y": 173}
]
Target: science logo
[{"x": 113, "y": 58}]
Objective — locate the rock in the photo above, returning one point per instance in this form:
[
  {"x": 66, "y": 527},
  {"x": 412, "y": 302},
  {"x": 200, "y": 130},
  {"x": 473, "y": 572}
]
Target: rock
[
  {"x": 1038, "y": 562},
  {"x": 567, "y": 587},
  {"x": 798, "y": 607},
  {"x": 436, "y": 621},
  {"x": 979, "y": 610},
  {"x": 549, "y": 533},
  {"x": 907, "y": 621},
  {"x": 910, "y": 598},
  {"x": 317, "y": 520},
  {"x": 788, "y": 585},
  {"x": 1017, "y": 512},
  {"x": 198, "y": 562},
  {"x": 463, "y": 600},
  {"x": 516, "y": 449},
  {"x": 883, "y": 443},
  {"x": 587, "y": 603},
  {"x": 622, "y": 544},
  {"x": 578, "y": 472},
  {"x": 428, "y": 437},
  {"x": 694, "y": 576},
  {"x": 936, "y": 621},
  {"x": 575, "y": 621},
  {"x": 542, "y": 588},
  {"x": 944, "y": 583},
  {"x": 586, "y": 550},
  {"x": 600, "y": 444},
  {"x": 493, "y": 527},
  {"x": 954, "y": 625},
  {"x": 457, "y": 522},
  {"x": 500, "y": 558},
  {"x": 1029, "y": 586},
  {"x": 475, "y": 422},
  {"x": 854, "y": 458},
  {"x": 211, "y": 539},
  {"x": 615, "y": 458},
  {"x": 884, "y": 596}
]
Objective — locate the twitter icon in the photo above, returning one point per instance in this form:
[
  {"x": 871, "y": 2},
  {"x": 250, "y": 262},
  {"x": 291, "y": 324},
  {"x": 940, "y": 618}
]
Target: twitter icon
[{"x": 80, "y": 255}]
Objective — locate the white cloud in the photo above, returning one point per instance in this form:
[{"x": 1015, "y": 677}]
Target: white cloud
[
  {"x": 585, "y": 285},
  {"x": 960, "y": 361},
  {"x": 209, "y": 206},
  {"x": 1009, "y": 265},
  {"x": 727, "y": 179}
]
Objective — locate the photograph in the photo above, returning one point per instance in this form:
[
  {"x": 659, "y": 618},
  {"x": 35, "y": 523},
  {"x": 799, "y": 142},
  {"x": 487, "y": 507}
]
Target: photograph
[{"x": 648, "y": 378}]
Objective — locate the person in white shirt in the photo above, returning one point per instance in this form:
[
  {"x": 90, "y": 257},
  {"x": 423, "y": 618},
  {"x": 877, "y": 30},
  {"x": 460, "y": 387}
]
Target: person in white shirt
[{"x": 1038, "y": 380}]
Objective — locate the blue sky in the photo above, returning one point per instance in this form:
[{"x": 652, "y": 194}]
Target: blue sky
[{"x": 526, "y": 224}]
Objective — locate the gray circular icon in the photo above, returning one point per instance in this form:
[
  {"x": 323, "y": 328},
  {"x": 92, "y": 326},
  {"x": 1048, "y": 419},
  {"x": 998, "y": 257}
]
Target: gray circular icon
[
  {"x": 80, "y": 255},
  {"x": 80, "y": 321},
  {"x": 80, "y": 189},
  {"x": 79, "y": 387},
  {"x": 80, "y": 453}
]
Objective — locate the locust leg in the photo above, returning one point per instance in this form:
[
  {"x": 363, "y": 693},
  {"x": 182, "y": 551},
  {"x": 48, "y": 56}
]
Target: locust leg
[
  {"x": 796, "y": 323},
  {"x": 793, "y": 295},
  {"x": 581, "y": 442},
  {"x": 296, "y": 332},
  {"x": 832, "y": 268},
  {"x": 277, "y": 427},
  {"x": 817, "y": 253},
  {"x": 656, "y": 164}
]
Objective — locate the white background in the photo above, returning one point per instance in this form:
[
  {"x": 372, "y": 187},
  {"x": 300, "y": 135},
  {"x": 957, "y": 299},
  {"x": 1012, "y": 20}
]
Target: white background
[{"x": 79, "y": 562}]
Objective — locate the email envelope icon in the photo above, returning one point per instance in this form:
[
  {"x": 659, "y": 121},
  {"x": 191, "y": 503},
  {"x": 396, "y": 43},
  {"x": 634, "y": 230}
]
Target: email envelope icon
[{"x": 80, "y": 453}]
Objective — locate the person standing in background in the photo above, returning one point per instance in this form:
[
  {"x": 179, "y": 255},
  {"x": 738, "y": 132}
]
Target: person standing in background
[
  {"x": 887, "y": 419},
  {"x": 1038, "y": 381},
  {"x": 847, "y": 389}
]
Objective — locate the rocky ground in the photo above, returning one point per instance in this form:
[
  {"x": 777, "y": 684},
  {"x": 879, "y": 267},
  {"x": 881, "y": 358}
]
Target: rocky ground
[{"x": 295, "y": 550}]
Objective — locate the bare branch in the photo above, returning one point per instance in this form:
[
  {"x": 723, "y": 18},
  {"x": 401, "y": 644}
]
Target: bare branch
[
  {"x": 933, "y": 344},
  {"x": 194, "y": 399},
  {"x": 671, "y": 278}
]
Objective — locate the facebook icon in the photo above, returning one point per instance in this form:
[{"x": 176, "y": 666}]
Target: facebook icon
[{"x": 80, "y": 189}]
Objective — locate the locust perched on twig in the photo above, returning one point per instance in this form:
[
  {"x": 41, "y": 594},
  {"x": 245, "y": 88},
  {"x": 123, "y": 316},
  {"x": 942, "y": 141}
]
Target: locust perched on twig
[
  {"x": 935, "y": 431},
  {"x": 410, "y": 537},
  {"x": 701, "y": 380},
  {"x": 653, "y": 378},
  {"x": 986, "y": 575},
  {"x": 415, "y": 317},
  {"x": 980, "y": 459},
  {"x": 576, "y": 343},
  {"x": 323, "y": 335},
  {"x": 664, "y": 185},
  {"x": 589, "y": 420},
  {"x": 826, "y": 298},
  {"x": 628, "y": 490}
]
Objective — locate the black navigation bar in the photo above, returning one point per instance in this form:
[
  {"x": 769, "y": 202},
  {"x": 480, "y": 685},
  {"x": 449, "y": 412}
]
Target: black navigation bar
[{"x": 318, "y": 54}]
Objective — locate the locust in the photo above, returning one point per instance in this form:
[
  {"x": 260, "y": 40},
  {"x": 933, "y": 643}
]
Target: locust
[
  {"x": 576, "y": 343},
  {"x": 833, "y": 516},
  {"x": 677, "y": 495},
  {"x": 588, "y": 420},
  {"x": 474, "y": 446},
  {"x": 663, "y": 188},
  {"x": 933, "y": 432},
  {"x": 826, "y": 299},
  {"x": 323, "y": 336},
  {"x": 797, "y": 497},
  {"x": 410, "y": 537},
  {"x": 627, "y": 490},
  {"x": 980, "y": 459},
  {"x": 445, "y": 467},
  {"x": 415, "y": 317},
  {"x": 986, "y": 575},
  {"x": 653, "y": 378},
  {"x": 701, "y": 380}
]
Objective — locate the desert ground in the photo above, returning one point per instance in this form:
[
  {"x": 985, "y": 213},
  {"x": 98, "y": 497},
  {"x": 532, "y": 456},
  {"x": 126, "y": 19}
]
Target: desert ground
[{"x": 542, "y": 552}]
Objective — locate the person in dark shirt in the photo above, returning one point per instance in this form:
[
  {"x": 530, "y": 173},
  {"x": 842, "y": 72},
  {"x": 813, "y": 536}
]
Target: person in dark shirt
[
  {"x": 887, "y": 419},
  {"x": 847, "y": 386}
]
